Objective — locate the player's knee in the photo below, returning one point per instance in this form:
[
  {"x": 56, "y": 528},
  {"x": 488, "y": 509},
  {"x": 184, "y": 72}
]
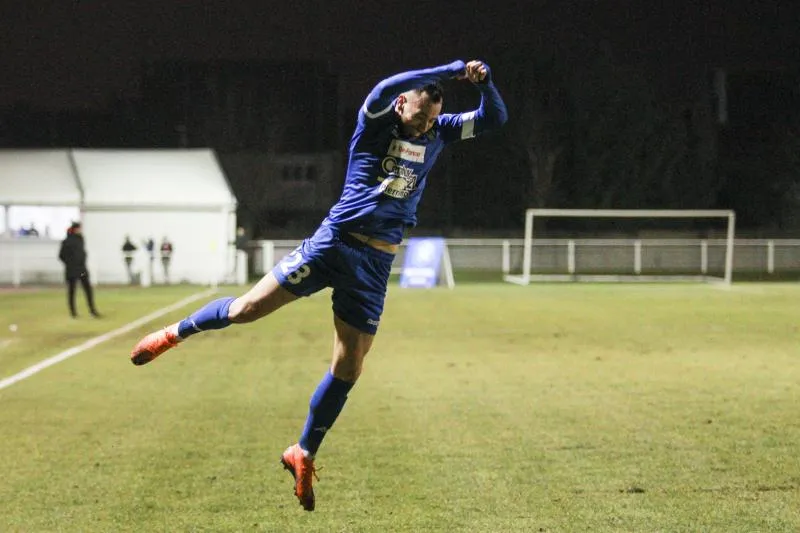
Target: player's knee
[
  {"x": 347, "y": 370},
  {"x": 349, "y": 376},
  {"x": 348, "y": 363},
  {"x": 243, "y": 310}
]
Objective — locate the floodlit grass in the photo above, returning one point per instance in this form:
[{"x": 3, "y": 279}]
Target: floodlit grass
[{"x": 488, "y": 408}]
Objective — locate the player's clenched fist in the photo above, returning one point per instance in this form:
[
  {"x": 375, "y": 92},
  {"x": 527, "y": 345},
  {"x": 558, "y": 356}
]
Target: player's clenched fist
[{"x": 476, "y": 71}]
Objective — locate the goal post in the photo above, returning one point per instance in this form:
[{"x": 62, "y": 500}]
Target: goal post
[{"x": 572, "y": 274}]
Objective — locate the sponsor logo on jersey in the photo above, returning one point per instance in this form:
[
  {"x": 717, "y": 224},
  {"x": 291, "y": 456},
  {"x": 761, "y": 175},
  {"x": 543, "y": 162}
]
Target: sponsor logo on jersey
[
  {"x": 388, "y": 164},
  {"x": 406, "y": 150},
  {"x": 400, "y": 183}
]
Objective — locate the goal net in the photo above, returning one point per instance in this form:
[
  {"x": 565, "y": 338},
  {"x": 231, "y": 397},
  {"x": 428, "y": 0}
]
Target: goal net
[{"x": 635, "y": 259}]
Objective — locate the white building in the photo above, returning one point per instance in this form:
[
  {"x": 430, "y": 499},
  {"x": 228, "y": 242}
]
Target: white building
[{"x": 179, "y": 194}]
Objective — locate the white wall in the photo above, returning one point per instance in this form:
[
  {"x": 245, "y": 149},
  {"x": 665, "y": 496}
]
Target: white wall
[
  {"x": 200, "y": 239},
  {"x": 30, "y": 261}
]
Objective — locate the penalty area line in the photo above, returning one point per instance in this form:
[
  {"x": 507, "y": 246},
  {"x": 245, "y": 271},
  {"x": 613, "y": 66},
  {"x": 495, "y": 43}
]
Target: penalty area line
[{"x": 91, "y": 343}]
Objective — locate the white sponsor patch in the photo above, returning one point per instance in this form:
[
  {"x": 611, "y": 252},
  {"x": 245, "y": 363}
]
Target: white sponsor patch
[
  {"x": 468, "y": 125},
  {"x": 406, "y": 150}
]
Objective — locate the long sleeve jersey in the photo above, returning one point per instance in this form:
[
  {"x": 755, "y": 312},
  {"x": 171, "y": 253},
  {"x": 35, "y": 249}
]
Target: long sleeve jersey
[{"x": 387, "y": 172}]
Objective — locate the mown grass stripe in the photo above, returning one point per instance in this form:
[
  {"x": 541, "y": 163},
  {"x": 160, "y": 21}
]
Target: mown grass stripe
[{"x": 91, "y": 343}]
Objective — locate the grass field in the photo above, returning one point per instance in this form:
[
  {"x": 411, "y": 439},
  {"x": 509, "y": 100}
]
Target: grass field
[{"x": 554, "y": 408}]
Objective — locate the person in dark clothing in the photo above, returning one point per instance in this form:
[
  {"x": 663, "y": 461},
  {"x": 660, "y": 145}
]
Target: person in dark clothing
[
  {"x": 128, "y": 253},
  {"x": 241, "y": 239},
  {"x": 150, "y": 246},
  {"x": 73, "y": 255},
  {"x": 241, "y": 244}
]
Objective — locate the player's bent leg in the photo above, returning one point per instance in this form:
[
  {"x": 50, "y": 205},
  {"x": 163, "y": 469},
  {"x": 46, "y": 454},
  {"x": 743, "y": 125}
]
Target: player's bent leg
[
  {"x": 265, "y": 297},
  {"x": 350, "y": 346},
  {"x": 262, "y": 299}
]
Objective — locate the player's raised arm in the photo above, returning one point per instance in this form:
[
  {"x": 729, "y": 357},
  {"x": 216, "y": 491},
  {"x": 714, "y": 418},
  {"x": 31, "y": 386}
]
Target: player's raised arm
[
  {"x": 491, "y": 113},
  {"x": 379, "y": 101}
]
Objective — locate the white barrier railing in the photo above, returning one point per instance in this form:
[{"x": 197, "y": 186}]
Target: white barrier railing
[
  {"x": 31, "y": 261},
  {"x": 570, "y": 256}
]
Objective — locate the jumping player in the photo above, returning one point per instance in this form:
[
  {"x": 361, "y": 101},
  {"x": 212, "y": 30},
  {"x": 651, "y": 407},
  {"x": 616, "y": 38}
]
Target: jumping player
[{"x": 399, "y": 133}]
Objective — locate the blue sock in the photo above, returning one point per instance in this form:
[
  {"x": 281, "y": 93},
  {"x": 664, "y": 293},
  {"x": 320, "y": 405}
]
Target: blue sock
[
  {"x": 326, "y": 404},
  {"x": 213, "y": 315}
]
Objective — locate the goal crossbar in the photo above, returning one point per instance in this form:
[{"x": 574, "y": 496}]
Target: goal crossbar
[{"x": 530, "y": 214}]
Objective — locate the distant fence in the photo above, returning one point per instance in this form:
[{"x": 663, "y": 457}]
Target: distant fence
[
  {"x": 617, "y": 256},
  {"x": 35, "y": 261}
]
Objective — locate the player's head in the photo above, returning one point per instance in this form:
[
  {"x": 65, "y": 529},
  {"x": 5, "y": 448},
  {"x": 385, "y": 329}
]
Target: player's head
[
  {"x": 419, "y": 108},
  {"x": 75, "y": 229}
]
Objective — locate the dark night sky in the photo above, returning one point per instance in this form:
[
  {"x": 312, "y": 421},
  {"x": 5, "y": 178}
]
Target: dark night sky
[{"x": 78, "y": 53}]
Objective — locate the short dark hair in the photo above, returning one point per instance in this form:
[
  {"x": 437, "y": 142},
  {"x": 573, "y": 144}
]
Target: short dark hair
[{"x": 435, "y": 92}]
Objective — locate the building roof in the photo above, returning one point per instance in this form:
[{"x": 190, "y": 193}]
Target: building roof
[
  {"x": 38, "y": 177},
  {"x": 114, "y": 179}
]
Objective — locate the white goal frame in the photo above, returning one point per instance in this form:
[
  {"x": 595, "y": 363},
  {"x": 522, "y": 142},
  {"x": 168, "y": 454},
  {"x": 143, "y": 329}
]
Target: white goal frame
[{"x": 527, "y": 255}]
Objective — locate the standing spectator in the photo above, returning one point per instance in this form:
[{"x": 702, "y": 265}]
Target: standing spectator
[
  {"x": 150, "y": 246},
  {"x": 128, "y": 252},
  {"x": 241, "y": 245},
  {"x": 241, "y": 239},
  {"x": 73, "y": 255},
  {"x": 166, "y": 257}
]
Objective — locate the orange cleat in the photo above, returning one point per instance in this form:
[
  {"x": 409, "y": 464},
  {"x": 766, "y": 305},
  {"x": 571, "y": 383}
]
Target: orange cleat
[
  {"x": 152, "y": 346},
  {"x": 302, "y": 468}
]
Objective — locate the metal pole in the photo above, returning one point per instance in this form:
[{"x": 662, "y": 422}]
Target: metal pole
[
  {"x": 527, "y": 250},
  {"x": 729, "y": 249}
]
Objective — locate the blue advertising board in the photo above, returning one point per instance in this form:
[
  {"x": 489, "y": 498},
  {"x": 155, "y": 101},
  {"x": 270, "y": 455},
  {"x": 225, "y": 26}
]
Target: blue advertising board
[{"x": 425, "y": 263}]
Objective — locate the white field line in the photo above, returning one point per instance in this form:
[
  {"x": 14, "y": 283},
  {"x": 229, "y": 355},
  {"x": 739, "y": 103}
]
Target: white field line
[{"x": 91, "y": 343}]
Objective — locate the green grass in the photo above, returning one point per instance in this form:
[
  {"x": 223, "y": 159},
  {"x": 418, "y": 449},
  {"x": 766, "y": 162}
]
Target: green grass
[{"x": 556, "y": 408}]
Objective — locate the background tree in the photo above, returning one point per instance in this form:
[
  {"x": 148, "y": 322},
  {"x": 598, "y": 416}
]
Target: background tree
[
  {"x": 593, "y": 132},
  {"x": 763, "y": 177}
]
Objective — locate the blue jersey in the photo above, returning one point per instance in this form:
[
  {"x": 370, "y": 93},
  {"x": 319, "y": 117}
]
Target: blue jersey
[{"x": 387, "y": 172}]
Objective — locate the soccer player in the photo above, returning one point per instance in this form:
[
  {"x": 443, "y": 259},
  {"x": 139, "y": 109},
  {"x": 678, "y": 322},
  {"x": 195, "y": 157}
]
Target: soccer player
[{"x": 399, "y": 133}]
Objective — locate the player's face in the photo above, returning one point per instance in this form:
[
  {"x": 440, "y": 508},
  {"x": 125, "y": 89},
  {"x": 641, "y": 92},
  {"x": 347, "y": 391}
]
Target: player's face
[{"x": 417, "y": 113}]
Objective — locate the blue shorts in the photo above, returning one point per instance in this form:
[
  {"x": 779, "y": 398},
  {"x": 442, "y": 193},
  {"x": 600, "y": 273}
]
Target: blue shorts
[{"x": 358, "y": 274}]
